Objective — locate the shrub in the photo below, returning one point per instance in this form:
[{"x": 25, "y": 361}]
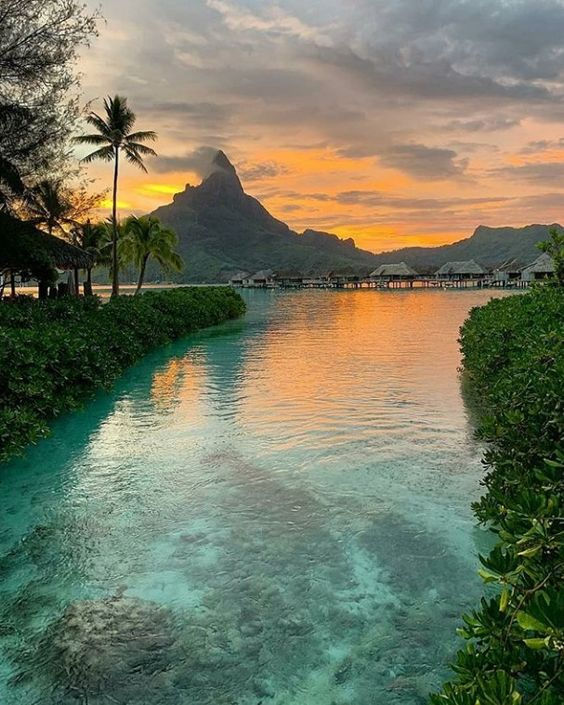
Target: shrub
[
  {"x": 514, "y": 357},
  {"x": 55, "y": 354}
]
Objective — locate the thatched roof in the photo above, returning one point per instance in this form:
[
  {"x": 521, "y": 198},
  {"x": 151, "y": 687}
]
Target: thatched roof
[
  {"x": 542, "y": 265},
  {"x": 262, "y": 275},
  {"x": 239, "y": 276},
  {"x": 467, "y": 267},
  {"x": 400, "y": 269},
  {"x": 510, "y": 265},
  {"x": 23, "y": 246},
  {"x": 289, "y": 274}
]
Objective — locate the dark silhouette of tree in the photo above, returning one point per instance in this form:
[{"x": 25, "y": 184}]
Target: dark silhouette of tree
[
  {"x": 114, "y": 136},
  {"x": 145, "y": 237},
  {"x": 554, "y": 247},
  {"x": 39, "y": 44},
  {"x": 56, "y": 207},
  {"x": 96, "y": 239}
]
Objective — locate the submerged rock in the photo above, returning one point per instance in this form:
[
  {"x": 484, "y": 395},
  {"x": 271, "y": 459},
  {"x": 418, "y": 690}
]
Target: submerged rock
[{"x": 115, "y": 645}]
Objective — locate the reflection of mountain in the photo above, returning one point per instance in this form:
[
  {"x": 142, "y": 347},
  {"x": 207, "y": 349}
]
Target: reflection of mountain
[{"x": 223, "y": 230}]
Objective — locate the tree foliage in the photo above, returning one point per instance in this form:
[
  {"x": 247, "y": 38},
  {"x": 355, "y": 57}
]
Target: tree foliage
[
  {"x": 39, "y": 45},
  {"x": 54, "y": 354},
  {"x": 56, "y": 207},
  {"x": 514, "y": 356},
  {"x": 113, "y": 136},
  {"x": 554, "y": 247},
  {"x": 145, "y": 237}
]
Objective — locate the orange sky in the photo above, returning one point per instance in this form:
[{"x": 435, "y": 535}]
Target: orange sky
[{"x": 367, "y": 119}]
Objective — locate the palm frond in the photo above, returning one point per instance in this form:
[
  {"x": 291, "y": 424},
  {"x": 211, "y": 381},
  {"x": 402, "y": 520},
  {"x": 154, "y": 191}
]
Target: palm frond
[
  {"x": 134, "y": 158},
  {"x": 141, "y": 149},
  {"x": 142, "y": 136},
  {"x": 91, "y": 139},
  {"x": 105, "y": 154},
  {"x": 120, "y": 117},
  {"x": 100, "y": 124}
]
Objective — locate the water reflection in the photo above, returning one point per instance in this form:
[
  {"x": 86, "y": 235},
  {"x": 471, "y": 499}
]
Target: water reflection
[{"x": 275, "y": 511}]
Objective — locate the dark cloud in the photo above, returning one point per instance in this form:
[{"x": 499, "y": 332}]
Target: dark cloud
[
  {"x": 381, "y": 199},
  {"x": 538, "y": 146},
  {"x": 482, "y": 125},
  {"x": 211, "y": 115},
  {"x": 421, "y": 162},
  {"x": 199, "y": 161},
  {"x": 256, "y": 172},
  {"x": 540, "y": 172}
]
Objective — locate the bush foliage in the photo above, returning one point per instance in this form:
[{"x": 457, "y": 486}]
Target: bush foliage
[
  {"x": 514, "y": 356},
  {"x": 54, "y": 354}
]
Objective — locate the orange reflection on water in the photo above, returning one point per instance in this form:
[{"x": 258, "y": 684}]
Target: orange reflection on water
[
  {"x": 178, "y": 387},
  {"x": 357, "y": 362}
]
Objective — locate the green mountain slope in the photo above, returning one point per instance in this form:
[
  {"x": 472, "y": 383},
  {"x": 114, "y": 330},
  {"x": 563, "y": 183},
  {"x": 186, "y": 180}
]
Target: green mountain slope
[
  {"x": 222, "y": 230},
  {"x": 489, "y": 246}
]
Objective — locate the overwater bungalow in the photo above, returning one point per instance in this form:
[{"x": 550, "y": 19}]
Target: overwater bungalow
[
  {"x": 508, "y": 272},
  {"x": 461, "y": 271},
  {"x": 264, "y": 279},
  {"x": 289, "y": 278},
  {"x": 28, "y": 253},
  {"x": 239, "y": 278},
  {"x": 345, "y": 278},
  {"x": 541, "y": 268},
  {"x": 390, "y": 273}
]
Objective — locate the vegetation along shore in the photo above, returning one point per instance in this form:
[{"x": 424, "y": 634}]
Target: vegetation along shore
[
  {"x": 514, "y": 357},
  {"x": 56, "y": 354}
]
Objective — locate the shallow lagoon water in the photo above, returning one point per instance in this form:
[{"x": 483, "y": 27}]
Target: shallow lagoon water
[{"x": 274, "y": 511}]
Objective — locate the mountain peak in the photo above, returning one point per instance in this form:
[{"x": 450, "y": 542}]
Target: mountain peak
[{"x": 222, "y": 162}]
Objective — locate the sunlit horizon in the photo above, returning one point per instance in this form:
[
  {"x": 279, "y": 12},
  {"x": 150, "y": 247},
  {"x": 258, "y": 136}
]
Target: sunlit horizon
[{"x": 344, "y": 118}]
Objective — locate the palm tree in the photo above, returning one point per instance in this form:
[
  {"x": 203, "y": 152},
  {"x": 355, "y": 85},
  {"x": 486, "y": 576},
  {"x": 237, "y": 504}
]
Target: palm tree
[
  {"x": 96, "y": 239},
  {"x": 113, "y": 136},
  {"x": 145, "y": 237},
  {"x": 49, "y": 204}
]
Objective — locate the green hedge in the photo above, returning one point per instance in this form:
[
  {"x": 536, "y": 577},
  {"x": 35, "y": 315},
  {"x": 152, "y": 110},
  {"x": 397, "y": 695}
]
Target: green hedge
[
  {"x": 514, "y": 357},
  {"x": 55, "y": 354}
]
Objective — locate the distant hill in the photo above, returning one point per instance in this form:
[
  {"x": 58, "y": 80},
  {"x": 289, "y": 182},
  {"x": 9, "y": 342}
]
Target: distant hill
[
  {"x": 488, "y": 246},
  {"x": 222, "y": 230}
]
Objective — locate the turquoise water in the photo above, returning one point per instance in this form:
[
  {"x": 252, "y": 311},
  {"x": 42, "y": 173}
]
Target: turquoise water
[{"x": 274, "y": 512}]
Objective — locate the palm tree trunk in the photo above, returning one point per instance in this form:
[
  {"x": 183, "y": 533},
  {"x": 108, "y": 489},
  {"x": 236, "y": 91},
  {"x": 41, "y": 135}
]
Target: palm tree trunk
[
  {"x": 12, "y": 284},
  {"x": 142, "y": 273},
  {"x": 115, "y": 273},
  {"x": 88, "y": 282}
]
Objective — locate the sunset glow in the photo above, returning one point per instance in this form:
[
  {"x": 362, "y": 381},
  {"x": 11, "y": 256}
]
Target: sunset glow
[{"x": 342, "y": 116}]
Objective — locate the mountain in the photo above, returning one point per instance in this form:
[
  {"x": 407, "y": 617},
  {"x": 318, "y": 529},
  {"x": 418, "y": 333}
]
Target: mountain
[
  {"x": 222, "y": 230},
  {"x": 488, "y": 246}
]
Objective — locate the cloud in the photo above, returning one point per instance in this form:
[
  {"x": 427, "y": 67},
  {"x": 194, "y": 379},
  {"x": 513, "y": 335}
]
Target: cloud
[
  {"x": 421, "y": 162},
  {"x": 257, "y": 172},
  {"x": 538, "y": 146},
  {"x": 381, "y": 199},
  {"x": 482, "y": 125},
  {"x": 273, "y": 20},
  {"x": 198, "y": 161},
  {"x": 536, "y": 173}
]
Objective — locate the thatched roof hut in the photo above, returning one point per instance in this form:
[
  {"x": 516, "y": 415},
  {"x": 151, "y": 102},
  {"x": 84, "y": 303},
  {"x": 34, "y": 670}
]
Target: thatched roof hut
[
  {"x": 289, "y": 277},
  {"x": 510, "y": 269},
  {"x": 239, "y": 278},
  {"x": 262, "y": 278},
  {"x": 23, "y": 247},
  {"x": 461, "y": 270},
  {"x": 394, "y": 271},
  {"x": 542, "y": 268}
]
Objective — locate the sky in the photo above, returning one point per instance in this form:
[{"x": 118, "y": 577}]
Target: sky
[{"x": 396, "y": 122}]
